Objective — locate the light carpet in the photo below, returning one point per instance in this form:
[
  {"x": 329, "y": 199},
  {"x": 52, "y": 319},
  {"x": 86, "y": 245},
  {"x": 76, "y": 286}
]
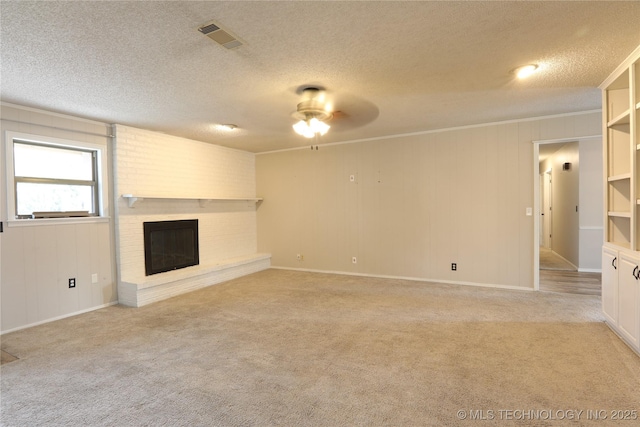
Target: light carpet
[{"x": 306, "y": 349}]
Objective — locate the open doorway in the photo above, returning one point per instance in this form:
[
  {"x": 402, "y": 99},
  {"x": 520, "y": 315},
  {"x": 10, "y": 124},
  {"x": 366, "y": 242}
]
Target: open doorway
[
  {"x": 559, "y": 245},
  {"x": 568, "y": 202},
  {"x": 549, "y": 258}
]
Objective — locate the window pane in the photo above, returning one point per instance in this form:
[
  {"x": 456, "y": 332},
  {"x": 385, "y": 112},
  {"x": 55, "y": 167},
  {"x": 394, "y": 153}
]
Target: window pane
[
  {"x": 36, "y": 161},
  {"x": 53, "y": 198}
]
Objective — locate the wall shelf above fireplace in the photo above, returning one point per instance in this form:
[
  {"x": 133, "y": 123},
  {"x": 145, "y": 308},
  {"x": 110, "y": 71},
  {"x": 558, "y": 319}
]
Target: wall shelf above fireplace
[{"x": 133, "y": 199}]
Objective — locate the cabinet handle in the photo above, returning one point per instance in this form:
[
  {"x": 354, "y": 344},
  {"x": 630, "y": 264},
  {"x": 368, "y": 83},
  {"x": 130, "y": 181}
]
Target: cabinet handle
[
  {"x": 635, "y": 271},
  {"x": 613, "y": 263}
]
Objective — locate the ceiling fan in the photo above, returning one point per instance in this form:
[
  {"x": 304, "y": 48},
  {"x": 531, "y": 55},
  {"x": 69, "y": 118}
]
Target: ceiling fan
[
  {"x": 318, "y": 108},
  {"x": 313, "y": 113}
]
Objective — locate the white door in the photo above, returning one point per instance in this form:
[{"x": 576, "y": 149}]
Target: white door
[
  {"x": 546, "y": 210},
  {"x": 541, "y": 227},
  {"x": 610, "y": 285},
  {"x": 628, "y": 293}
]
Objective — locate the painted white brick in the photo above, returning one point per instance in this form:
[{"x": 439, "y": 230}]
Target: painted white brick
[
  {"x": 163, "y": 166},
  {"x": 183, "y": 281}
]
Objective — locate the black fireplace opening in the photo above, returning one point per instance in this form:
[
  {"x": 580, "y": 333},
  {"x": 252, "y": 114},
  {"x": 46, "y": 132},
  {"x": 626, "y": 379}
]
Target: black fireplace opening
[{"x": 170, "y": 245}]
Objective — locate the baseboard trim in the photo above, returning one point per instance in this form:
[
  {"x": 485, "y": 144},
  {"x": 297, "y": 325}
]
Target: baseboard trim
[
  {"x": 64, "y": 316},
  {"x": 414, "y": 279},
  {"x": 622, "y": 338},
  {"x": 590, "y": 270}
]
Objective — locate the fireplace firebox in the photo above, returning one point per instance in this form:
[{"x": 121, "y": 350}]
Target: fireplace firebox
[{"x": 170, "y": 245}]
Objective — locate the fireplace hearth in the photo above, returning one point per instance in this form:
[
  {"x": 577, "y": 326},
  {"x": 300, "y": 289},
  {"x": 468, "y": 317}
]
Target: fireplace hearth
[{"x": 170, "y": 245}]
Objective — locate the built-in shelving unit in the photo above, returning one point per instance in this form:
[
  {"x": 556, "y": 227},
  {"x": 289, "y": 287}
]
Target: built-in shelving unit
[
  {"x": 621, "y": 251},
  {"x": 620, "y": 152},
  {"x": 133, "y": 199},
  {"x": 621, "y": 119},
  {"x": 620, "y": 214}
]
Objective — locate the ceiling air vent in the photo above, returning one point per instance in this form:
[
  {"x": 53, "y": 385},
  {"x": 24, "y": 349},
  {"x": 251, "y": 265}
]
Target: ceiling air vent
[{"x": 219, "y": 35}]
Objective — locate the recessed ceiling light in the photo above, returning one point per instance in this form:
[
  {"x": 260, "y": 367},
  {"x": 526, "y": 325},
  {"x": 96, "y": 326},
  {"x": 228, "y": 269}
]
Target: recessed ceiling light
[
  {"x": 525, "y": 71},
  {"x": 227, "y": 127}
]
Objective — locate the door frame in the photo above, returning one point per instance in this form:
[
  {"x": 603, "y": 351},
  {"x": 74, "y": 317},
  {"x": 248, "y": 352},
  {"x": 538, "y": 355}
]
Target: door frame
[{"x": 536, "y": 199}]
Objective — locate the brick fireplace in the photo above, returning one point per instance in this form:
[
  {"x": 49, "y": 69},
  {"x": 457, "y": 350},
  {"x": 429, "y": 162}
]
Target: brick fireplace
[{"x": 175, "y": 179}]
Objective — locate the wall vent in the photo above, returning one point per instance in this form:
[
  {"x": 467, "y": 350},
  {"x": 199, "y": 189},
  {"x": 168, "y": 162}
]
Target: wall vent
[{"x": 220, "y": 36}]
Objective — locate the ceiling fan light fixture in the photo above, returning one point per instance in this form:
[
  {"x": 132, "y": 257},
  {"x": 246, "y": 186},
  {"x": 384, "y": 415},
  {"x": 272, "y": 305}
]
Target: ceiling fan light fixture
[
  {"x": 318, "y": 127},
  {"x": 312, "y": 113},
  {"x": 310, "y": 127}
]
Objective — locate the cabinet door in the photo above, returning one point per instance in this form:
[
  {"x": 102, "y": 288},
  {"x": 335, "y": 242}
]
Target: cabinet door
[
  {"x": 629, "y": 298},
  {"x": 610, "y": 285}
]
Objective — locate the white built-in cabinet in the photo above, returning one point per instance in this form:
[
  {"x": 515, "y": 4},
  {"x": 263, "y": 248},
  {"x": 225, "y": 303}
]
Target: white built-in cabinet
[
  {"x": 610, "y": 284},
  {"x": 621, "y": 293},
  {"x": 628, "y": 285},
  {"x": 621, "y": 250}
]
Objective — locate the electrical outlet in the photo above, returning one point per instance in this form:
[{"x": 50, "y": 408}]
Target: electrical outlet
[
  {"x": 454, "y": 266},
  {"x": 72, "y": 283},
  {"x": 300, "y": 257},
  {"x": 94, "y": 278},
  {"x": 354, "y": 260}
]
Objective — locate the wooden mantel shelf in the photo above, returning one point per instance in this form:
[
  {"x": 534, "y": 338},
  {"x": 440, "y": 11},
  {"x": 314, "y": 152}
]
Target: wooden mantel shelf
[{"x": 132, "y": 199}]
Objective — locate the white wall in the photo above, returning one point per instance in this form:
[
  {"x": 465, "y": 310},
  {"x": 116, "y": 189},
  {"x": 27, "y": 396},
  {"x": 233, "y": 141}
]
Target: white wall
[
  {"x": 591, "y": 199},
  {"x": 419, "y": 203},
  {"x": 37, "y": 260},
  {"x": 179, "y": 172}
]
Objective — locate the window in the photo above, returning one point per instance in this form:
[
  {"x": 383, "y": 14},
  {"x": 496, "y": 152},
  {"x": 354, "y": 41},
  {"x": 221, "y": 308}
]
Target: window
[{"x": 53, "y": 178}]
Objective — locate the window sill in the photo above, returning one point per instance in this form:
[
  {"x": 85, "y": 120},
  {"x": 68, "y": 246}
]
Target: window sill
[{"x": 56, "y": 221}]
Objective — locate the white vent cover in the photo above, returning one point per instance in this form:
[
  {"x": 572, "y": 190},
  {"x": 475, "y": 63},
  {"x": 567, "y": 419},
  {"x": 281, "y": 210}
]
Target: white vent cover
[{"x": 220, "y": 36}]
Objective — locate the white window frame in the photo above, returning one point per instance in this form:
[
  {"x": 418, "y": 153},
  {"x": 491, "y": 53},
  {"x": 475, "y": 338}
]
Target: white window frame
[{"x": 101, "y": 165}]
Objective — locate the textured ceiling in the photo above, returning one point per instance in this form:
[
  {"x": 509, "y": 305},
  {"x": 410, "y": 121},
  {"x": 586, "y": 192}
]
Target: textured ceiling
[{"x": 390, "y": 67}]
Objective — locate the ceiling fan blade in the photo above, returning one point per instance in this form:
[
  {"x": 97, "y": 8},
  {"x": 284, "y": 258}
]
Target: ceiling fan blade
[{"x": 352, "y": 112}]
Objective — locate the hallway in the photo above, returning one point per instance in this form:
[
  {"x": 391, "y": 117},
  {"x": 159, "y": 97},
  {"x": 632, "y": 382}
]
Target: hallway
[{"x": 557, "y": 275}]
